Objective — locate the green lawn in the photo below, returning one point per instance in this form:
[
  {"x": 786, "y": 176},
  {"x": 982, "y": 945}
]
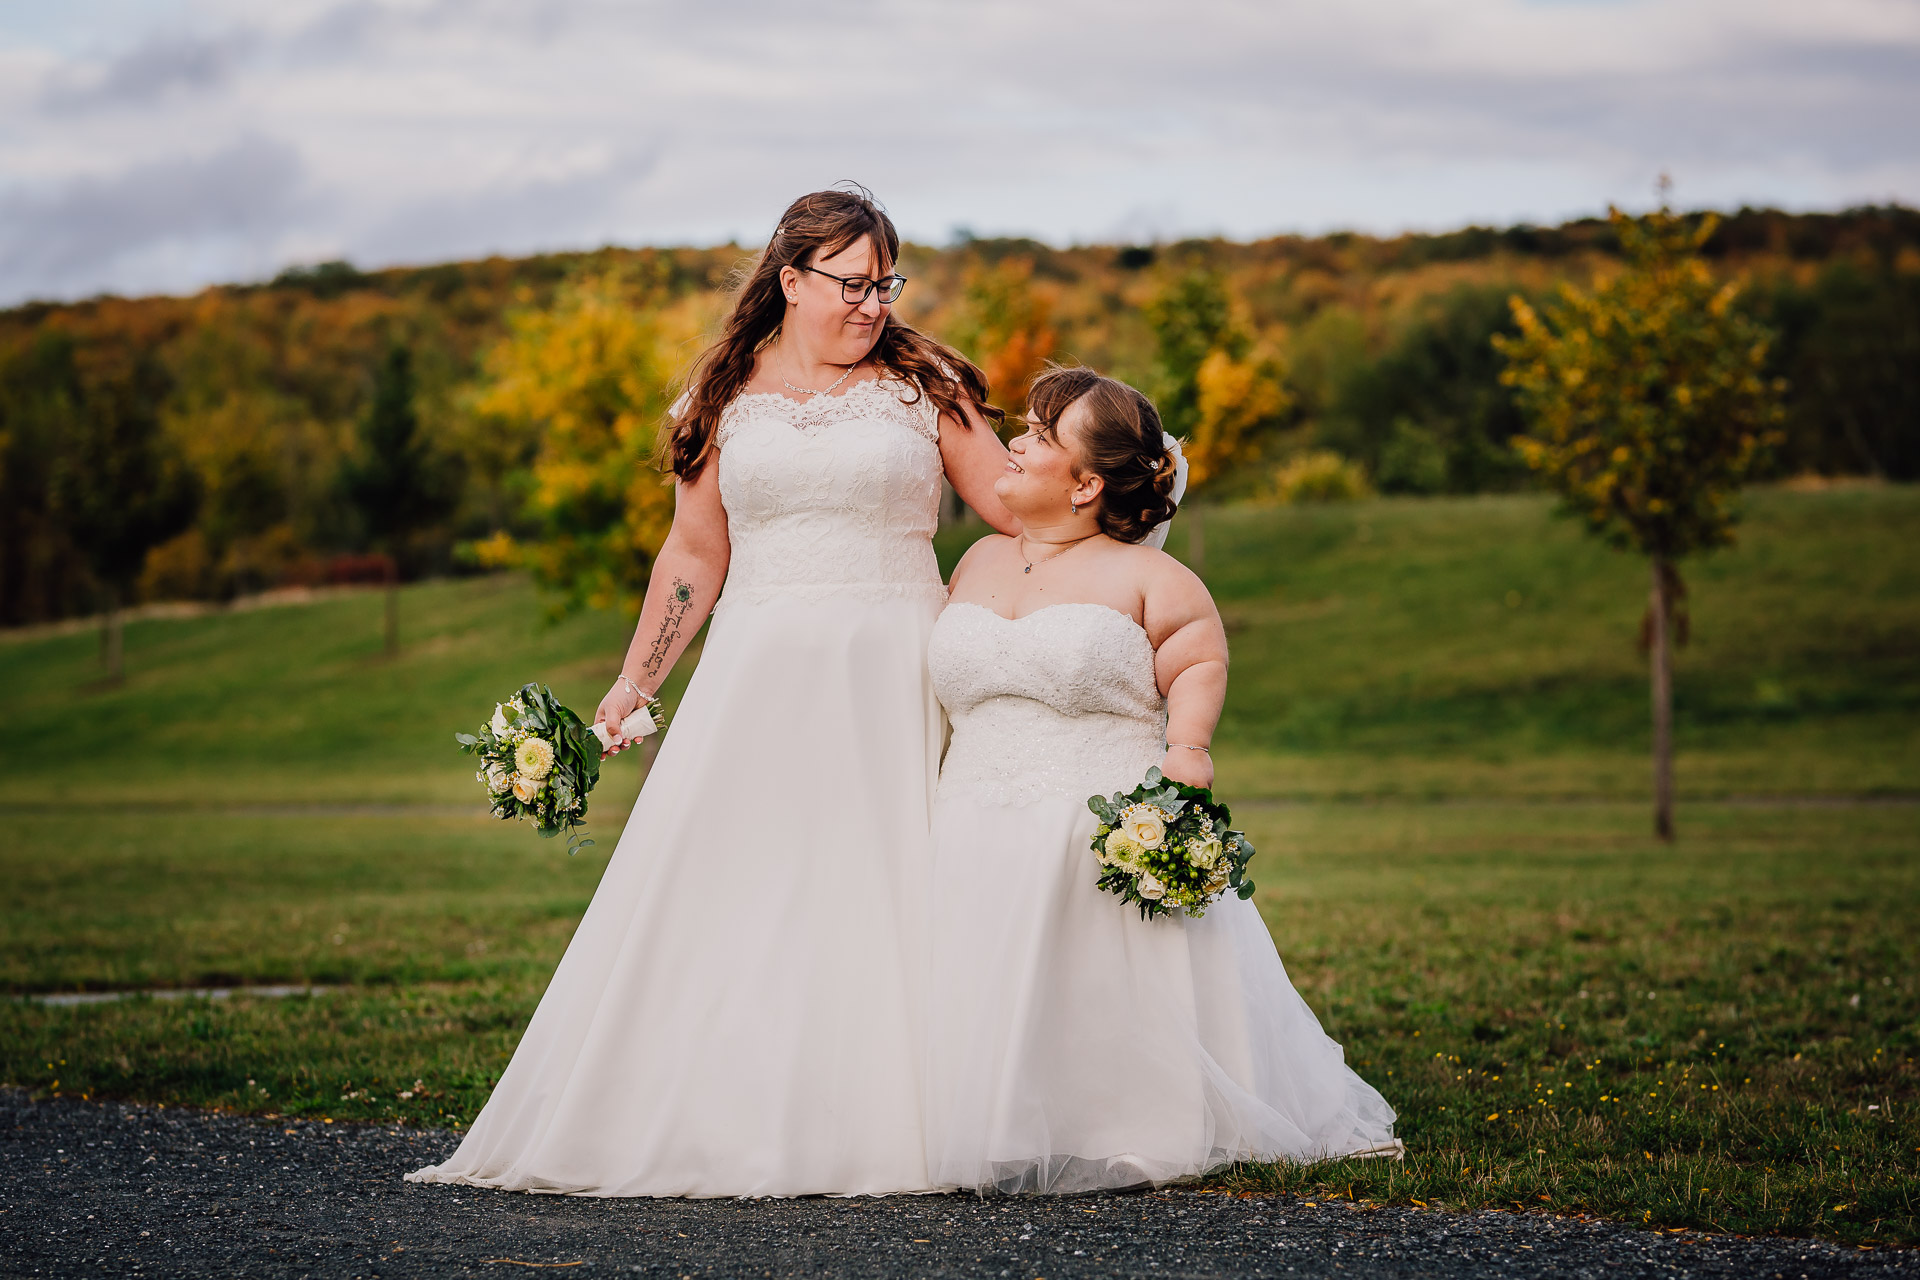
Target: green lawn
[{"x": 1435, "y": 735}]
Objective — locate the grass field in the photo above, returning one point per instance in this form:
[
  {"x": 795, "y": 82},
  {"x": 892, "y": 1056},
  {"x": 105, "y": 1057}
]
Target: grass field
[{"x": 1727, "y": 1027}]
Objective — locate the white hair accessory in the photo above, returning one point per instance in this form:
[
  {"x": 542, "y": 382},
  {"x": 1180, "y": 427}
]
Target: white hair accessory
[{"x": 1157, "y": 538}]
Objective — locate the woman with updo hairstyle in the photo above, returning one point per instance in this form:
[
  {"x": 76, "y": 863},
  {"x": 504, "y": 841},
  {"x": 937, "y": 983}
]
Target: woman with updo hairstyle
[
  {"x": 1073, "y": 1045},
  {"x": 739, "y": 1012},
  {"x": 1120, "y": 440}
]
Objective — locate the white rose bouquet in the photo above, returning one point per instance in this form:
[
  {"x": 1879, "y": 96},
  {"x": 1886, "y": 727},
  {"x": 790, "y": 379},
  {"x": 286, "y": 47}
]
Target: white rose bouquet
[
  {"x": 1165, "y": 845},
  {"x": 538, "y": 760}
]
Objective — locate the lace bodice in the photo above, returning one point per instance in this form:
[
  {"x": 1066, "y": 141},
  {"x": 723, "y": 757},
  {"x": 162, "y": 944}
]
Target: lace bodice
[
  {"x": 1060, "y": 702},
  {"x": 837, "y": 496}
]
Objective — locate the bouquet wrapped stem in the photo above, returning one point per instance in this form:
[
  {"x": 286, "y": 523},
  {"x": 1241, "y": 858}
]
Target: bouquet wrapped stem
[
  {"x": 1165, "y": 846},
  {"x": 539, "y": 760}
]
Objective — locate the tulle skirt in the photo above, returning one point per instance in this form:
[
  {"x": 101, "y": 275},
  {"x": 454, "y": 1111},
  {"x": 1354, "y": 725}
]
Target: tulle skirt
[
  {"x": 738, "y": 1013},
  {"x": 1074, "y": 1046}
]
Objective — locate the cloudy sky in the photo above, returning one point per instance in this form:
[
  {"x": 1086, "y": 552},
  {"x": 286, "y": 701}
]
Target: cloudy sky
[{"x": 158, "y": 145}]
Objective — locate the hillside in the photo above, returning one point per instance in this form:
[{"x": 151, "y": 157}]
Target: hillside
[{"x": 1454, "y": 646}]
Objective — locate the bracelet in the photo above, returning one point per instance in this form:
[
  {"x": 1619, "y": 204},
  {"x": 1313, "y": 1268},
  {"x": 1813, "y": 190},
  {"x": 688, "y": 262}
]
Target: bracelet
[
  {"x": 638, "y": 692},
  {"x": 1190, "y": 747}
]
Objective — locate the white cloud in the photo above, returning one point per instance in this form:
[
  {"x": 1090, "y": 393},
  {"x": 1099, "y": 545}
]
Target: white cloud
[{"x": 225, "y": 138}]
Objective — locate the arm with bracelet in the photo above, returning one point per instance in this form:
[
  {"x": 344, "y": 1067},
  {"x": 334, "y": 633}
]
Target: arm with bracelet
[
  {"x": 684, "y": 585},
  {"x": 1190, "y": 666}
]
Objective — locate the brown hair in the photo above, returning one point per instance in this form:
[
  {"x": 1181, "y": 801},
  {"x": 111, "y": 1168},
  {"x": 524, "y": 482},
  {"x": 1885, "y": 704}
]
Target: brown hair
[
  {"x": 1122, "y": 442},
  {"x": 814, "y": 226}
]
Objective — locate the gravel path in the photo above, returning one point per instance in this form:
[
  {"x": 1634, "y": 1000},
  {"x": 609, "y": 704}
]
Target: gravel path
[{"x": 113, "y": 1189}]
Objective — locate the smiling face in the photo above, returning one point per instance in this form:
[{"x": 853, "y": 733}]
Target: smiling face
[
  {"x": 831, "y": 329},
  {"x": 1041, "y": 480}
]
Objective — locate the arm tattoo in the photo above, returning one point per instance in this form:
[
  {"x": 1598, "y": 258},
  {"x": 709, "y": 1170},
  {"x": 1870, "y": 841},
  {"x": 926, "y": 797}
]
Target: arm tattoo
[{"x": 679, "y": 605}]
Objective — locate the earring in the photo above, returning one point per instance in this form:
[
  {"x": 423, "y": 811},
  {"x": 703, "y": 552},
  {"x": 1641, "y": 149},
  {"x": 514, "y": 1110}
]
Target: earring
[{"x": 1075, "y": 506}]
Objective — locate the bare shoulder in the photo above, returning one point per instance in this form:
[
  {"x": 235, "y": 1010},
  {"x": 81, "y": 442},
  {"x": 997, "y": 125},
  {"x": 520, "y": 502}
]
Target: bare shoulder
[
  {"x": 1173, "y": 594},
  {"x": 989, "y": 550},
  {"x": 1156, "y": 571}
]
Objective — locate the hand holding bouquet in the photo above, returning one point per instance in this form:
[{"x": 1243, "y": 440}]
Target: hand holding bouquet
[
  {"x": 1165, "y": 845},
  {"x": 538, "y": 760}
]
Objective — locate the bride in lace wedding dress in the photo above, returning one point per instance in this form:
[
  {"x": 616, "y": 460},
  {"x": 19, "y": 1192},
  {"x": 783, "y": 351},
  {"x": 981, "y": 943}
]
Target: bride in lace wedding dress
[
  {"x": 738, "y": 1013},
  {"x": 1071, "y": 1044}
]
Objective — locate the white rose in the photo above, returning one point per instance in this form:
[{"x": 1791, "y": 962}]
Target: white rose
[
  {"x": 499, "y": 722},
  {"x": 498, "y": 780},
  {"x": 1204, "y": 851},
  {"x": 1122, "y": 850},
  {"x": 1217, "y": 881},
  {"x": 525, "y": 789},
  {"x": 1144, "y": 824},
  {"x": 534, "y": 758},
  {"x": 1149, "y": 888}
]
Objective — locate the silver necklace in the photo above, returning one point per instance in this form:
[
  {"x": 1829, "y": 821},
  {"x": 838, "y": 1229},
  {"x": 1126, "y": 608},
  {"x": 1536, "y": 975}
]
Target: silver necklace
[
  {"x": 1043, "y": 559},
  {"x": 809, "y": 391}
]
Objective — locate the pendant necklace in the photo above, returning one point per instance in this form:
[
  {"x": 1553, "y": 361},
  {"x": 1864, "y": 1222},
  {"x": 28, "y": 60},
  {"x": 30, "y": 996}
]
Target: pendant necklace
[{"x": 1043, "y": 559}]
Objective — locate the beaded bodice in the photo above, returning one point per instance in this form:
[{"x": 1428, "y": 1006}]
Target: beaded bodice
[
  {"x": 833, "y": 497},
  {"x": 1061, "y": 702}
]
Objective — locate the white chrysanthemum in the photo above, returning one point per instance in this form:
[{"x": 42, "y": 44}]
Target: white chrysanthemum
[
  {"x": 1145, "y": 824},
  {"x": 1149, "y": 888},
  {"x": 534, "y": 758},
  {"x": 525, "y": 789},
  {"x": 1122, "y": 850}
]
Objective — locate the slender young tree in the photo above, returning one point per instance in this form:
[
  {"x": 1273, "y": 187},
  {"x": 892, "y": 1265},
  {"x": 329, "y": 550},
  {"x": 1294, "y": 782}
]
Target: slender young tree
[
  {"x": 1648, "y": 404},
  {"x": 395, "y": 483},
  {"x": 119, "y": 486}
]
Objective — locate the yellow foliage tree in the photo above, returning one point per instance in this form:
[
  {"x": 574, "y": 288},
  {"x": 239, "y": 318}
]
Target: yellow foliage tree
[
  {"x": 1214, "y": 388},
  {"x": 1649, "y": 406},
  {"x": 586, "y": 381},
  {"x": 1236, "y": 399}
]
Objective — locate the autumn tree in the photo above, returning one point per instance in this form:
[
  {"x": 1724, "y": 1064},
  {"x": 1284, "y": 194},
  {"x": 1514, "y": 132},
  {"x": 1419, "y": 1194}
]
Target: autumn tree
[
  {"x": 586, "y": 382},
  {"x": 1006, "y": 325},
  {"x": 118, "y": 486},
  {"x": 1648, "y": 406},
  {"x": 395, "y": 483},
  {"x": 1216, "y": 389}
]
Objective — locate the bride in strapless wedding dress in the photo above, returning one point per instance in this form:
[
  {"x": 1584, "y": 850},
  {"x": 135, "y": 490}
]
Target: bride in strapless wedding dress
[
  {"x": 1072, "y": 1045},
  {"x": 738, "y": 1013}
]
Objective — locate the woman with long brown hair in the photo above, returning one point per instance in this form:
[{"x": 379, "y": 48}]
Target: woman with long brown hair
[{"x": 739, "y": 1012}]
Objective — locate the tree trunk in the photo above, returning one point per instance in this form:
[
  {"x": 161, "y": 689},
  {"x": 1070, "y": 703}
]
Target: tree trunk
[
  {"x": 113, "y": 639},
  {"x": 1196, "y": 540},
  {"x": 1660, "y": 652},
  {"x": 393, "y": 611}
]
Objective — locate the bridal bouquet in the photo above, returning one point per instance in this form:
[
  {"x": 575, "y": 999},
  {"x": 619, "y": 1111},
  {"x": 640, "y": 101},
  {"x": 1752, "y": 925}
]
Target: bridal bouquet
[
  {"x": 1165, "y": 845},
  {"x": 538, "y": 760}
]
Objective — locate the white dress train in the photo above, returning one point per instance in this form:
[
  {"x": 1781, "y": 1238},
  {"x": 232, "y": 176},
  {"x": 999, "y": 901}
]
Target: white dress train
[
  {"x": 1071, "y": 1045},
  {"x": 738, "y": 1013}
]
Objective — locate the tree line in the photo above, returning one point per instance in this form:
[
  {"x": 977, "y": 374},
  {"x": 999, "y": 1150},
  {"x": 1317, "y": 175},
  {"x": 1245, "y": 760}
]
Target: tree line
[{"x": 339, "y": 425}]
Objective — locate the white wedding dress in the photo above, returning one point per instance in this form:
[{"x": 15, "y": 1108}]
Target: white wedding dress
[
  {"x": 738, "y": 1013},
  {"x": 1071, "y": 1044}
]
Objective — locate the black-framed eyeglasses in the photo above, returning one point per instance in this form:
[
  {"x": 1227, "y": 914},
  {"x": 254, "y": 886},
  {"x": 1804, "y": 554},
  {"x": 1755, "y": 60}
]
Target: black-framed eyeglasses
[{"x": 854, "y": 289}]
